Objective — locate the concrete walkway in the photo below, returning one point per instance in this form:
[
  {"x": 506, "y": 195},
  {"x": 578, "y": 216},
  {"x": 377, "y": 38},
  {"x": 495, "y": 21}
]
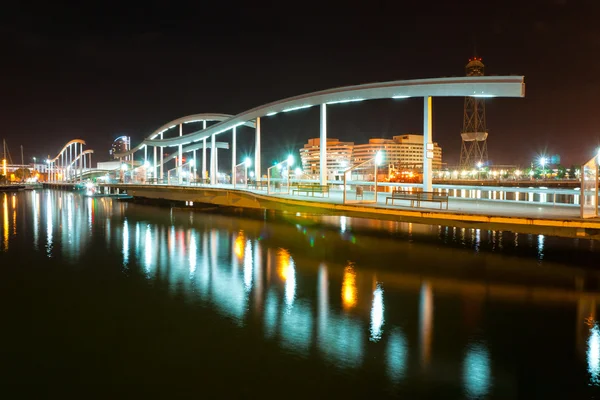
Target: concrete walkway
[{"x": 456, "y": 205}]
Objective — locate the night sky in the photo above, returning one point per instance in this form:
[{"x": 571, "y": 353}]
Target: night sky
[{"x": 99, "y": 70}]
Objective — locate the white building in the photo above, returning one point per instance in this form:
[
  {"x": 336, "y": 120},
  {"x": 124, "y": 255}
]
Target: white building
[
  {"x": 339, "y": 158},
  {"x": 401, "y": 152}
]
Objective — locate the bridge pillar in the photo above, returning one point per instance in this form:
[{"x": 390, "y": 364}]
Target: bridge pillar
[
  {"x": 257, "y": 151},
  {"x": 162, "y": 152},
  {"x": 154, "y": 166},
  {"x": 204, "y": 152},
  {"x": 427, "y": 145},
  {"x": 233, "y": 154},
  {"x": 213, "y": 160},
  {"x": 195, "y": 167},
  {"x": 323, "y": 146},
  {"x": 180, "y": 158}
]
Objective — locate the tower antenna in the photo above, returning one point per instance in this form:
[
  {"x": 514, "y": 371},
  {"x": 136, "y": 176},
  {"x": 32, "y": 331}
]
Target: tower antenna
[{"x": 473, "y": 152}]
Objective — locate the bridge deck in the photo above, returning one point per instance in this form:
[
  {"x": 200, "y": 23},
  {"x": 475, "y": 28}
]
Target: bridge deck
[{"x": 522, "y": 216}]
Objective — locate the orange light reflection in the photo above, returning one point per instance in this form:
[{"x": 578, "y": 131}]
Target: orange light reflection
[{"x": 349, "y": 292}]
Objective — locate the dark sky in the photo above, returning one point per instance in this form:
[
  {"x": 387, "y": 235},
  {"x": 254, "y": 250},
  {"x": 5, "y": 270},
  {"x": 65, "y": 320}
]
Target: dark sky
[{"x": 96, "y": 70}]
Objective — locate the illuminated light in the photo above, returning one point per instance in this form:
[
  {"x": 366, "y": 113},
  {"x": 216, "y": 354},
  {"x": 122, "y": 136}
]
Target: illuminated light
[
  {"x": 172, "y": 126},
  {"x": 476, "y": 372},
  {"x": 377, "y": 318},
  {"x": 272, "y": 113},
  {"x": 5, "y": 218},
  {"x": 89, "y": 185},
  {"x": 379, "y": 158},
  {"x": 251, "y": 174},
  {"x": 344, "y": 101},
  {"x": 287, "y": 272},
  {"x": 238, "y": 246},
  {"x": 298, "y": 171},
  {"x": 284, "y": 264},
  {"x": 400, "y": 97},
  {"x": 593, "y": 355},
  {"x": 349, "y": 291},
  {"x": 290, "y": 160},
  {"x": 124, "y": 167},
  {"x": 192, "y": 121},
  {"x": 483, "y": 95},
  {"x": 297, "y": 108}
]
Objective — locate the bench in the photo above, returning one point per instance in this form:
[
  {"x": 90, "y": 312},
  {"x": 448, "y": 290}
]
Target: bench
[
  {"x": 418, "y": 197},
  {"x": 312, "y": 189}
]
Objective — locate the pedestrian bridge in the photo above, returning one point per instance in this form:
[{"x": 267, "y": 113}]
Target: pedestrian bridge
[{"x": 541, "y": 217}]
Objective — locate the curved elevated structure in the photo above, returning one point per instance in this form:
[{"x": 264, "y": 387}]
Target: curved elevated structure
[
  {"x": 70, "y": 162},
  {"x": 470, "y": 86}
]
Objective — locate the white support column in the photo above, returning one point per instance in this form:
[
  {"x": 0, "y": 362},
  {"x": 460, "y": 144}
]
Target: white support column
[
  {"x": 154, "y": 166},
  {"x": 257, "y": 151},
  {"x": 233, "y": 154},
  {"x": 180, "y": 158},
  {"x": 145, "y": 152},
  {"x": 195, "y": 173},
  {"x": 323, "y": 146},
  {"x": 204, "y": 158},
  {"x": 204, "y": 152},
  {"x": 427, "y": 135},
  {"x": 162, "y": 152},
  {"x": 213, "y": 160}
]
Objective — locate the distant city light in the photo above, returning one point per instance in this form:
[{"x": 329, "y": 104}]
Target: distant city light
[
  {"x": 298, "y": 171},
  {"x": 479, "y": 164},
  {"x": 247, "y": 162},
  {"x": 378, "y": 158},
  {"x": 290, "y": 160}
]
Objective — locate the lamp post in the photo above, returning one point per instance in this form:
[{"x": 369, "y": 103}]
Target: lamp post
[
  {"x": 246, "y": 163},
  {"x": 290, "y": 162},
  {"x": 543, "y": 165}
]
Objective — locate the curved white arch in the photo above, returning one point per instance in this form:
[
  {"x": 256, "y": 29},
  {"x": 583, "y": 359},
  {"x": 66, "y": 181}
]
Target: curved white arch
[
  {"x": 188, "y": 119},
  {"x": 85, "y": 152},
  {"x": 478, "y": 86},
  {"x": 80, "y": 141}
]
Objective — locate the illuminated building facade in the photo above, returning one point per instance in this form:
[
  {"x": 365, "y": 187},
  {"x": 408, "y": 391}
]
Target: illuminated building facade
[
  {"x": 401, "y": 152},
  {"x": 122, "y": 144},
  {"x": 339, "y": 158}
]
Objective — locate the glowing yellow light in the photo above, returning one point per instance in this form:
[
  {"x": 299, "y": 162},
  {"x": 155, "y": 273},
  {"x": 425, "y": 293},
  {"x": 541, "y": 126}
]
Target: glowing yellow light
[
  {"x": 5, "y": 218},
  {"x": 349, "y": 292},
  {"x": 238, "y": 246},
  {"x": 4, "y": 167},
  {"x": 283, "y": 263}
]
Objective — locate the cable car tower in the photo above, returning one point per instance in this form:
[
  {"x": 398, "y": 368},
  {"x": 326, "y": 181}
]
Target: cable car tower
[{"x": 473, "y": 152}]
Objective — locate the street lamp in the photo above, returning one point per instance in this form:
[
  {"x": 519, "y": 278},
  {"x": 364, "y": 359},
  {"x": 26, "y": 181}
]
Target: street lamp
[
  {"x": 543, "y": 165},
  {"x": 289, "y": 161}
]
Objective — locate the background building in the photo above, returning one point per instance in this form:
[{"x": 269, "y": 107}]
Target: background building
[
  {"x": 339, "y": 158},
  {"x": 401, "y": 152},
  {"x": 120, "y": 145}
]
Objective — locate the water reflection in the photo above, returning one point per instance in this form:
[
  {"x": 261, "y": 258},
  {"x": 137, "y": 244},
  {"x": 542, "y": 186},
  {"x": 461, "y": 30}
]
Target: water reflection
[
  {"x": 593, "y": 354},
  {"x": 300, "y": 290},
  {"x": 349, "y": 292},
  {"x": 5, "y": 225},
  {"x": 476, "y": 371},
  {"x": 377, "y": 313}
]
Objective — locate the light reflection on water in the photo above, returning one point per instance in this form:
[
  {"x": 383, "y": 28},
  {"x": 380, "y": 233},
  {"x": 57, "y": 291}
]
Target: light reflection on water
[{"x": 303, "y": 287}]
